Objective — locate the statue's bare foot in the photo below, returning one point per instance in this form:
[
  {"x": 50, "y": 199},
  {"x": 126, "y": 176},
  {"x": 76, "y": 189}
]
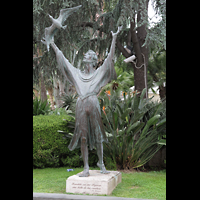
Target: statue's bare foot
[
  {"x": 103, "y": 169},
  {"x": 85, "y": 173}
]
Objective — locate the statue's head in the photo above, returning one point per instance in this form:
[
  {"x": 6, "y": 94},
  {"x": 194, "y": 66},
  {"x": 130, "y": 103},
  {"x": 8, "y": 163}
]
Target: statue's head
[{"x": 90, "y": 57}]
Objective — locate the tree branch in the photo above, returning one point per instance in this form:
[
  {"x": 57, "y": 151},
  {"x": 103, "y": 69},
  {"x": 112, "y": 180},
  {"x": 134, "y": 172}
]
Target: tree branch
[
  {"x": 84, "y": 24},
  {"x": 122, "y": 49},
  {"x": 129, "y": 38},
  {"x": 91, "y": 25}
]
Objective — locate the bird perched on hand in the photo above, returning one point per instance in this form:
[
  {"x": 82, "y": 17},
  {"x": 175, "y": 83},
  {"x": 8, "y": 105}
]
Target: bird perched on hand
[{"x": 57, "y": 24}]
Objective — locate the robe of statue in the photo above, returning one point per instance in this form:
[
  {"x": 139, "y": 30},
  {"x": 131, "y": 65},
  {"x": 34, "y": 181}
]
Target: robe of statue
[{"x": 88, "y": 113}]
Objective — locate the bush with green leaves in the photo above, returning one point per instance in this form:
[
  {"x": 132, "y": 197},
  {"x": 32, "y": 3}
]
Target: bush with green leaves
[
  {"x": 133, "y": 127},
  {"x": 40, "y": 107},
  {"x": 49, "y": 148}
]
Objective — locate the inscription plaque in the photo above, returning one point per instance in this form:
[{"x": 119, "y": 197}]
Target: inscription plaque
[
  {"x": 93, "y": 187},
  {"x": 96, "y": 183}
]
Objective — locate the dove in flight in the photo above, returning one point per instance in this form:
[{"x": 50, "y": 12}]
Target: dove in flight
[{"x": 57, "y": 24}]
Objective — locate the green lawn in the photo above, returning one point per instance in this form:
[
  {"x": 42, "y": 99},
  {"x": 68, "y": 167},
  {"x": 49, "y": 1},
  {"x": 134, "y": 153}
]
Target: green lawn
[{"x": 147, "y": 185}]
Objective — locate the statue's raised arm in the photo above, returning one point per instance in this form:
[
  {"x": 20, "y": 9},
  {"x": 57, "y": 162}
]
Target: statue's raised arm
[
  {"x": 110, "y": 57},
  {"x": 67, "y": 69},
  {"x": 114, "y": 35},
  {"x": 106, "y": 72},
  {"x": 65, "y": 66}
]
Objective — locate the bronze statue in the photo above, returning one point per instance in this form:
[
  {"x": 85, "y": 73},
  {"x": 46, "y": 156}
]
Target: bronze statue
[{"x": 89, "y": 130}]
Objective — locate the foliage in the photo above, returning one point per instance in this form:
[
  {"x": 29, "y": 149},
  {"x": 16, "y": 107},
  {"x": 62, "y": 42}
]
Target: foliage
[
  {"x": 34, "y": 92},
  {"x": 69, "y": 101},
  {"x": 133, "y": 127},
  {"x": 49, "y": 148},
  {"x": 125, "y": 79},
  {"x": 78, "y": 38},
  {"x": 162, "y": 141},
  {"x": 157, "y": 67},
  {"x": 121, "y": 64},
  {"x": 123, "y": 82},
  {"x": 161, "y": 108},
  {"x": 59, "y": 111},
  {"x": 89, "y": 28},
  {"x": 40, "y": 107},
  {"x": 157, "y": 34}
]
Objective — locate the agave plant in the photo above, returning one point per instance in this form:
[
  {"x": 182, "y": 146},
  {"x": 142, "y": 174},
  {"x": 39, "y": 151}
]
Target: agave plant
[
  {"x": 69, "y": 101},
  {"x": 40, "y": 107},
  {"x": 132, "y": 127}
]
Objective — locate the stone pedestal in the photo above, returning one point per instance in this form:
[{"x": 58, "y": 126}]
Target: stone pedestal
[{"x": 96, "y": 183}]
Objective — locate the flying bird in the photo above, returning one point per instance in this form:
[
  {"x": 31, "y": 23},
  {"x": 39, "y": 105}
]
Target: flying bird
[{"x": 57, "y": 24}]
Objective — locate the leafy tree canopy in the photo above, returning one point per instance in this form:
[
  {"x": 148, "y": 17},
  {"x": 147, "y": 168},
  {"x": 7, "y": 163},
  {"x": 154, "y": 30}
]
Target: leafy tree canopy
[{"x": 89, "y": 28}]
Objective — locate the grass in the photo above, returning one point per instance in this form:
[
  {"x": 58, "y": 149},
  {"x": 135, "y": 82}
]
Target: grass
[
  {"x": 147, "y": 185},
  {"x": 52, "y": 180}
]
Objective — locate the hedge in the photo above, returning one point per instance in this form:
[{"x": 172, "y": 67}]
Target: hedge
[{"x": 49, "y": 147}]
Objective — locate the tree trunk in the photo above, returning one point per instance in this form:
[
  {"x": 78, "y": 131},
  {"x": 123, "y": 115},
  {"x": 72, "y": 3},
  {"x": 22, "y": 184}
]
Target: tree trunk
[
  {"x": 43, "y": 94},
  {"x": 50, "y": 91},
  {"x": 139, "y": 78},
  {"x": 138, "y": 39},
  {"x": 61, "y": 86},
  {"x": 162, "y": 92},
  {"x": 56, "y": 90}
]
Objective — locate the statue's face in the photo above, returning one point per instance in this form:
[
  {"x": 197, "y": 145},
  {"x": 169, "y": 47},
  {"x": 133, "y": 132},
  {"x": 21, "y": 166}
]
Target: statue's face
[{"x": 88, "y": 58}]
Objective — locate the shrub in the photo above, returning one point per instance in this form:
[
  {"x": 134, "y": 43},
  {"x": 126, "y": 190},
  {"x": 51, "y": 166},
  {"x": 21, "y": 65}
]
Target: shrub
[
  {"x": 49, "y": 148},
  {"x": 40, "y": 107},
  {"x": 133, "y": 127}
]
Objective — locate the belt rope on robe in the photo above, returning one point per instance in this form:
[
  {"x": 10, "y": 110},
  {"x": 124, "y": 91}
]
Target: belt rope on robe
[{"x": 84, "y": 97}]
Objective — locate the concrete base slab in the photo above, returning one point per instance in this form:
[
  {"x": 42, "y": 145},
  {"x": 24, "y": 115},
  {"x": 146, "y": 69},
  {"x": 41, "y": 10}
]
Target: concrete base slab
[
  {"x": 55, "y": 196},
  {"x": 96, "y": 183}
]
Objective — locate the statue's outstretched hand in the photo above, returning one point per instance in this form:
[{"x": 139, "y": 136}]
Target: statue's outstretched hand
[
  {"x": 119, "y": 29},
  {"x": 44, "y": 41}
]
